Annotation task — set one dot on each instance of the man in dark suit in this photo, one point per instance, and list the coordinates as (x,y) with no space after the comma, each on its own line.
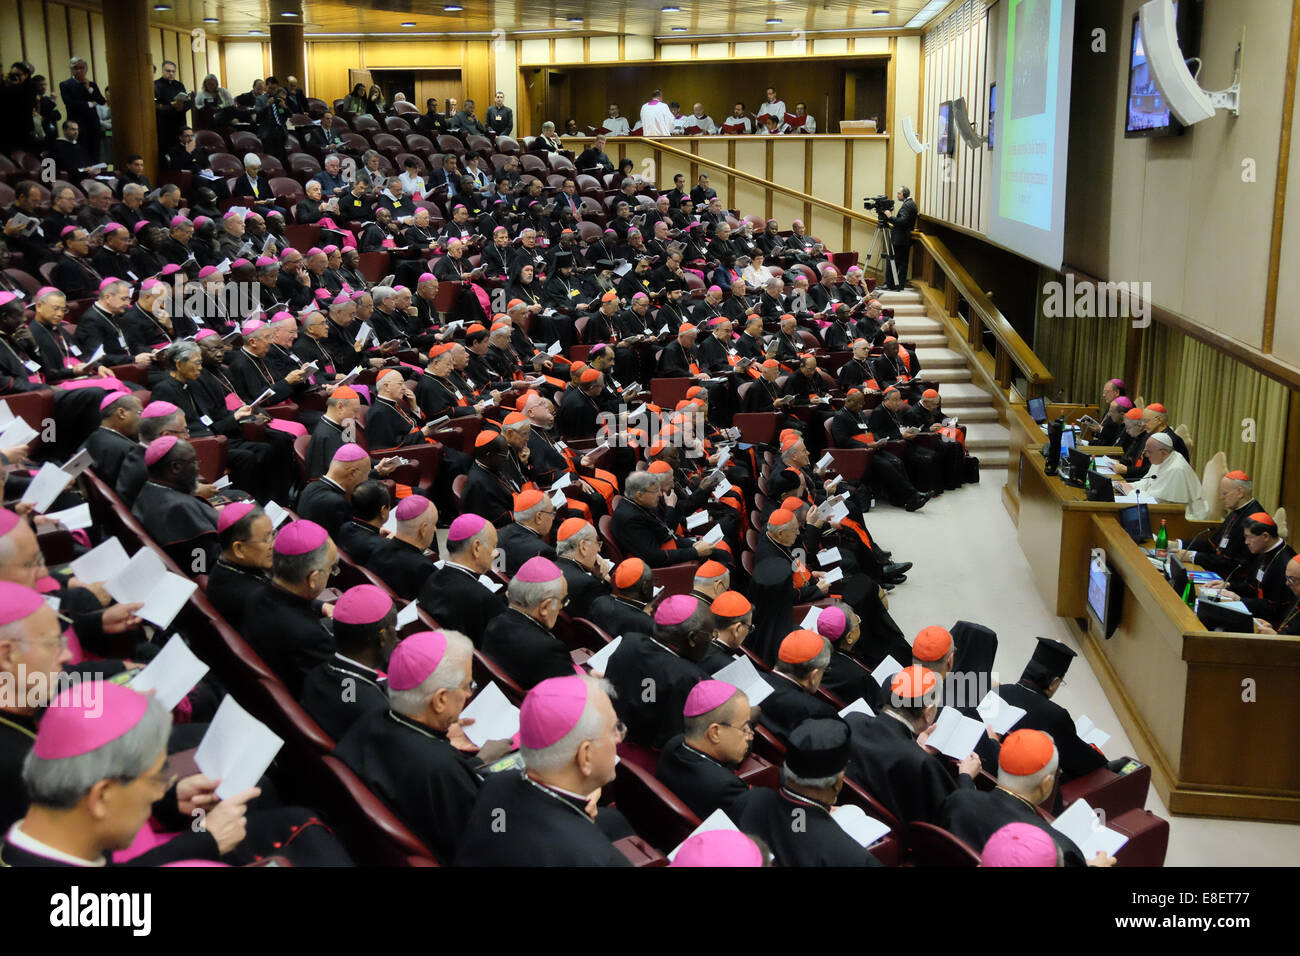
(640,531)
(80,97)
(525,537)
(578,547)
(901,223)
(500,118)
(403,562)
(623,610)
(800,664)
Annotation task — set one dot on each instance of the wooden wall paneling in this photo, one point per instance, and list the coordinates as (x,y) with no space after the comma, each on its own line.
(768,165)
(11,33)
(99,49)
(36,50)
(156,52)
(56,41)
(850,199)
(731,180)
(79,44)
(751,154)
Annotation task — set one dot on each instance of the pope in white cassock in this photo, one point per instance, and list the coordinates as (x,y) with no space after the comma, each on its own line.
(1170,478)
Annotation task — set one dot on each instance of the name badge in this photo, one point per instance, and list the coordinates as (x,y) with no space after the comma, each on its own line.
(206,420)
(1223,542)
(1259,575)
(33,366)
(73,350)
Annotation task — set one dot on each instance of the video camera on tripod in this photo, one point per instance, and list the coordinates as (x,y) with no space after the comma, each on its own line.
(878,204)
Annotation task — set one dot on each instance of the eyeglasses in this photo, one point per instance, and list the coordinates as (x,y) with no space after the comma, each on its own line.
(36,562)
(747,728)
(61,641)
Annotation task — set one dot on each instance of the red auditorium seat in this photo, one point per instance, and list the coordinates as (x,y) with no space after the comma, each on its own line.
(928,845)
(364,822)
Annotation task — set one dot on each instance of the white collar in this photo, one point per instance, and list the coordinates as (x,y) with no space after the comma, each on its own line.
(16,837)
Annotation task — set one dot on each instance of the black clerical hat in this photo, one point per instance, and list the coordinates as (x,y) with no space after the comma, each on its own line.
(603,264)
(563,259)
(672,282)
(818,748)
(1051,659)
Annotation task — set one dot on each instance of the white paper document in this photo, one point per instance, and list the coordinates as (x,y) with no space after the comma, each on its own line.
(1079,822)
(717,820)
(495,718)
(563,481)
(859,706)
(600,660)
(17,433)
(74,519)
(955,734)
(78,463)
(742,674)
(825,461)
(854,821)
(713,535)
(1089,733)
(999,714)
(277,514)
(828,557)
(236,750)
(809,622)
(172,674)
(885,670)
(408,614)
(555,349)
(144,579)
(722,488)
(100,563)
(834,575)
(697,519)
(491,584)
(46,486)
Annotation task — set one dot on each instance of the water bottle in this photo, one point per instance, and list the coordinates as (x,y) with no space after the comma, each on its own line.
(1162,540)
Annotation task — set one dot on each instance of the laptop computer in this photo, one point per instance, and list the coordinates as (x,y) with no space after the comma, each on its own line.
(1216,617)
(1100,487)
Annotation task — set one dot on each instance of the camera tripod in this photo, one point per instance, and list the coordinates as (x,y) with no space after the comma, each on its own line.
(884,240)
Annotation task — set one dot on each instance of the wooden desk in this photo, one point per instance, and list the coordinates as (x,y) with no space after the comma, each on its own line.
(1052,526)
(1216,715)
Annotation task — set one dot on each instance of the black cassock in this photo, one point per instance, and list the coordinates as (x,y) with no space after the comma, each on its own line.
(718,656)
(288,633)
(524,649)
(974,816)
(108,450)
(641,534)
(1077,758)
(1224,548)
(326,438)
(789,705)
(358,540)
(653,683)
(619,615)
(415,770)
(402,566)
(453,595)
(339,692)
(488,495)
(799,831)
(186,846)
(885,760)
(848,679)
(520,544)
(231,589)
(179,523)
(584,587)
(697,779)
(542,827)
(325,503)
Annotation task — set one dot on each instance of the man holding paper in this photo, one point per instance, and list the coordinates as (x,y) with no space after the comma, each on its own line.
(639,531)
(801,663)
(180,522)
(889,755)
(811,779)
(456,591)
(414,754)
(1027,765)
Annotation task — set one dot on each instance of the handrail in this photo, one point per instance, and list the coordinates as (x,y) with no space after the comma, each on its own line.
(749,177)
(990,316)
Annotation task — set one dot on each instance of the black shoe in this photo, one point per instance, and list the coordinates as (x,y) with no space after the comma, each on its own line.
(896,580)
(886,556)
(916,503)
(887,585)
(894,568)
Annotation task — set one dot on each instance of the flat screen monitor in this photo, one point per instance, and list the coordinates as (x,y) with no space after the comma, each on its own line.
(1218,618)
(1136,520)
(944,141)
(1038,409)
(1104,597)
(1067,442)
(1178,576)
(1146,111)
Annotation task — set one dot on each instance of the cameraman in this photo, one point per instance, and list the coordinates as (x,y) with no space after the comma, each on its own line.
(902,221)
